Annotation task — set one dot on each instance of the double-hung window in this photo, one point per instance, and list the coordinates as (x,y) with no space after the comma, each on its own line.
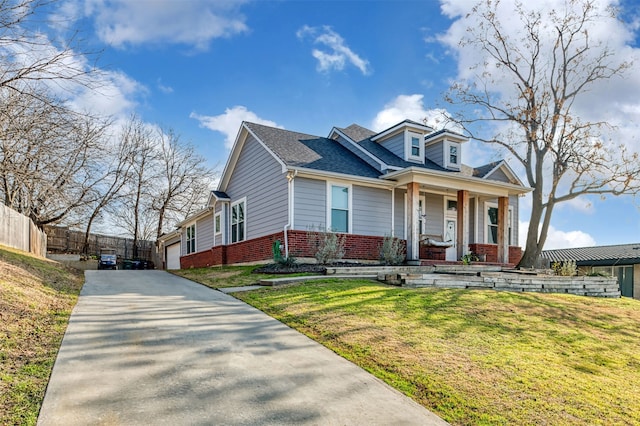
(492,225)
(217,223)
(238,221)
(453,154)
(191,239)
(414,146)
(339,210)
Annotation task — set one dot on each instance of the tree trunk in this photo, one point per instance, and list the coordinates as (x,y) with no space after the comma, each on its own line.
(532,250)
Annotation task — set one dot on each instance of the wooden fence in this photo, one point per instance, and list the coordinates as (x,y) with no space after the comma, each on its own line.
(64,240)
(18,231)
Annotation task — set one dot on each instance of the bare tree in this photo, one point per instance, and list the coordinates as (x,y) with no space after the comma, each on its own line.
(115,175)
(133,209)
(47,157)
(184,180)
(527,88)
(29,59)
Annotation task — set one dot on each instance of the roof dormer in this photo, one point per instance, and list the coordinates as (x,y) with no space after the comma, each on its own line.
(445,149)
(405,139)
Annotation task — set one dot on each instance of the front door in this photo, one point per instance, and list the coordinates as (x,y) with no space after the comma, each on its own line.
(450,235)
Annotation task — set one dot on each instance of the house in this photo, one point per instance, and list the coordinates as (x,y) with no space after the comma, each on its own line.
(621,261)
(406,181)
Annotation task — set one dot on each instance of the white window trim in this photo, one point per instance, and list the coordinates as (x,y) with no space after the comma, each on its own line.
(217,218)
(407,146)
(195,239)
(447,147)
(349,186)
(235,203)
(488,204)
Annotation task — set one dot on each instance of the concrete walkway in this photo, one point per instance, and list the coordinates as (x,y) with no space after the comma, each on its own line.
(147,347)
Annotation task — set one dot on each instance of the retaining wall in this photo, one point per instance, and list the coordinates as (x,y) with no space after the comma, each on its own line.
(584,286)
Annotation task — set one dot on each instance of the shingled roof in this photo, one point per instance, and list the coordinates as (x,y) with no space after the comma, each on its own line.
(357,133)
(312,152)
(622,254)
(319,153)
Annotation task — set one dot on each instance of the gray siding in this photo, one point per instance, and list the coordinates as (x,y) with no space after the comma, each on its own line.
(183,242)
(258,177)
(499,175)
(310,205)
(435,215)
(204,233)
(472,220)
(371,211)
(220,208)
(395,145)
(399,219)
(435,153)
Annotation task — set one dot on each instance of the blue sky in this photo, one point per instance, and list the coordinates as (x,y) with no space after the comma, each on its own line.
(203,66)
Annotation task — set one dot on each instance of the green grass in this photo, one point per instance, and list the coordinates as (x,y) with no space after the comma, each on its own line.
(479,357)
(226,276)
(36,299)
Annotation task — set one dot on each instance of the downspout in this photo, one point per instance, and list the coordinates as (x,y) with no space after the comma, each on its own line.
(393,211)
(291,174)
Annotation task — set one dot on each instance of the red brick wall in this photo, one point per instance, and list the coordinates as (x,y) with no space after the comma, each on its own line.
(491,250)
(197,260)
(253,250)
(360,247)
(432,253)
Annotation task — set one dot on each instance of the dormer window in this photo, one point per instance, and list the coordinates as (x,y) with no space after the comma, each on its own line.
(452,155)
(414,146)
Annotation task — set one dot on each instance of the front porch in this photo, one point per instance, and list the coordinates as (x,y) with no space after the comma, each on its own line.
(447,217)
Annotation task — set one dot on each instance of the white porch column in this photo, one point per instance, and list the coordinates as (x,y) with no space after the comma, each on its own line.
(503,229)
(463,223)
(413,239)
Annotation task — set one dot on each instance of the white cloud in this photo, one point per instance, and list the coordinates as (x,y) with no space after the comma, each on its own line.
(615,101)
(164,88)
(194,23)
(409,107)
(229,122)
(338,55)
(557,239)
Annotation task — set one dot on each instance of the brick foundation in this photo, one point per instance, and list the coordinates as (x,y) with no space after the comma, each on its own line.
(491,252)
(357,247)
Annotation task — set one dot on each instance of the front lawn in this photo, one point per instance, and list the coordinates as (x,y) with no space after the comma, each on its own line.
(227,276)
(36,299)
(479,357)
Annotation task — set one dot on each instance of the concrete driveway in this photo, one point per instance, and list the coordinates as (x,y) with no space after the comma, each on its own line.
(147,347)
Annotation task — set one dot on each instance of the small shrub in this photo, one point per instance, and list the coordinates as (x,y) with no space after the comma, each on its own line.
(330,246)
(469,257)
(566,268)
(392,251)
(286,262)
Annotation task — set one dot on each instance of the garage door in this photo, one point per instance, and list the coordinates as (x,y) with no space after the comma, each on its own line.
(173,256)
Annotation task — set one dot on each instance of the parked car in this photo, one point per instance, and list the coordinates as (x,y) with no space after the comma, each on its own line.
(108,259)
(137,264)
